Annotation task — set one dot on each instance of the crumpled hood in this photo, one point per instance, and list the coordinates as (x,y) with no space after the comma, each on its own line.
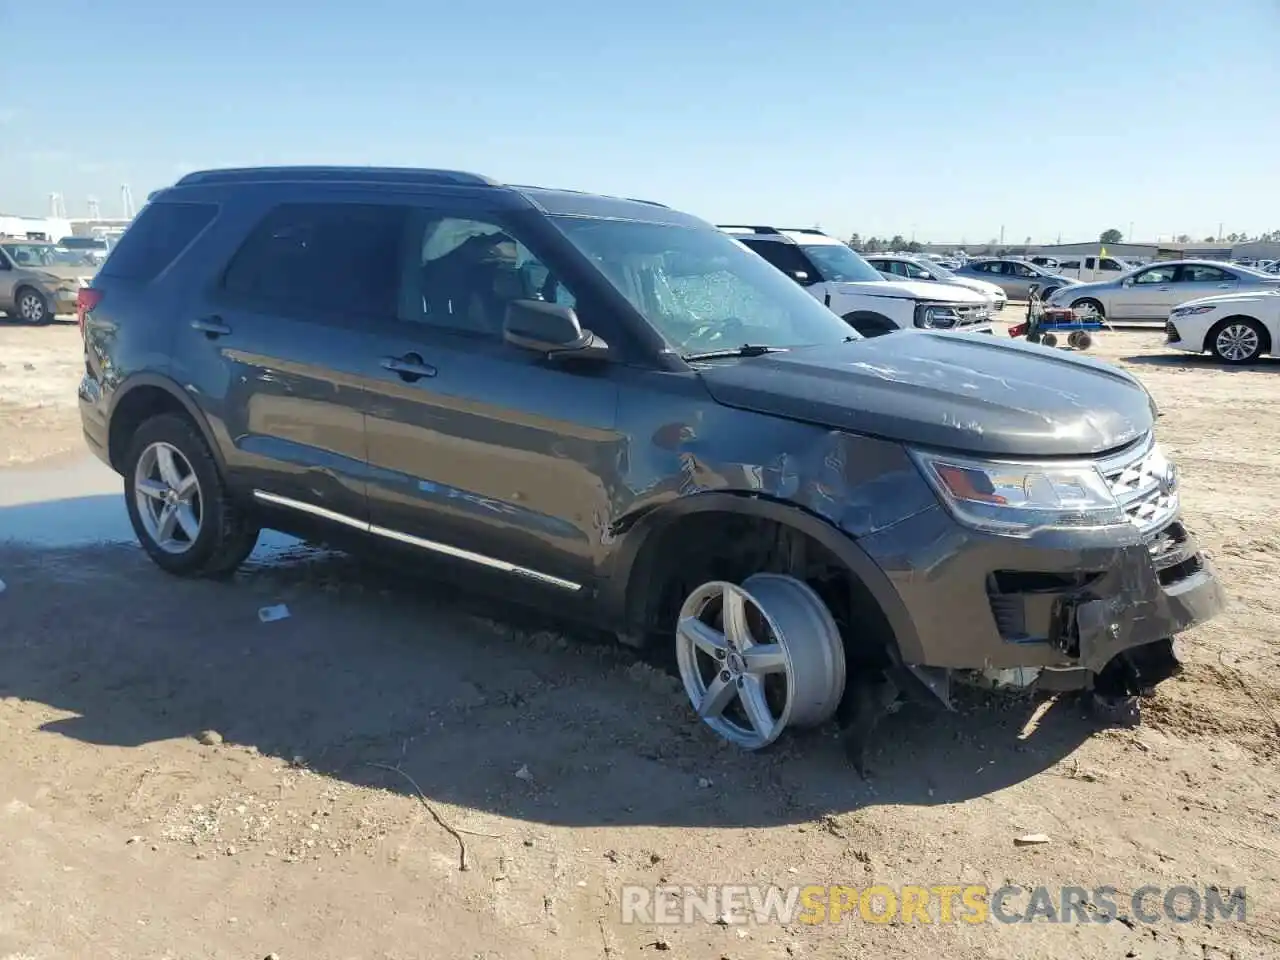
(911,290)
(969,392)
(65,272)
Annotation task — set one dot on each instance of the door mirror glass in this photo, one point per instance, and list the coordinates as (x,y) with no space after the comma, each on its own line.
(547,328)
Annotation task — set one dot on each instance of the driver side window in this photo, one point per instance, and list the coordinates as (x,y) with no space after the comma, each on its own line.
(460,274)
(1156,275)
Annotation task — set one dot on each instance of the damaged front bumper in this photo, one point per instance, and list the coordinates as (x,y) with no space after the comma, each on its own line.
(1053,612)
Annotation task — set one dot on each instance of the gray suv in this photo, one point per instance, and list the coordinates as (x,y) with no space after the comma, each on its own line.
(613,411)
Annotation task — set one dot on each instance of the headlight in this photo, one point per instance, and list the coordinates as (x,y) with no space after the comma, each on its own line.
(1191,311)
(1019,499)
(934,316)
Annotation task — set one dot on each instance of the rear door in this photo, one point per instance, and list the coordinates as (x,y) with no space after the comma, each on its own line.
(279,348)
(1197,280)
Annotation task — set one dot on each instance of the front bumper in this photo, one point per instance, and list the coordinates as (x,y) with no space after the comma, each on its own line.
(1179,339)
(1070,601)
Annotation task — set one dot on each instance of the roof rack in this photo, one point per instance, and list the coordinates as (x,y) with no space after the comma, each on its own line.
(356,174)
(587,193)
(743,226)
(813,230)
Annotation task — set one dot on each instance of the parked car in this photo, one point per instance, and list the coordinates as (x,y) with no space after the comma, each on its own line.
(1236,328)
(38,280)
(1149,293)
(847,284)
(1092,269)
(94,249)
(611,410)
(1015,277)
(918,268)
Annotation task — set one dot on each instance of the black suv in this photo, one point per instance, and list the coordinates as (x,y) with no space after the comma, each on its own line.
(612,410)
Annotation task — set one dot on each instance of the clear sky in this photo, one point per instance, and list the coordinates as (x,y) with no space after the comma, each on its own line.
(951,118)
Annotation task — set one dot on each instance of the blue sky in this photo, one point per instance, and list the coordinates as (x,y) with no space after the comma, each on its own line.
(949,119)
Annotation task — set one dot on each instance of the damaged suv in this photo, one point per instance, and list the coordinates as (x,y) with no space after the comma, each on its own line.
(611,410)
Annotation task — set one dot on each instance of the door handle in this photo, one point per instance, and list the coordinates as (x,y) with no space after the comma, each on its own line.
(211,327)
(410,367)
(1164,289)
(1224,286)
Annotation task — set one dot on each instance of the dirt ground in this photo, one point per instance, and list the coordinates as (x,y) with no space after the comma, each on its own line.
(181,780)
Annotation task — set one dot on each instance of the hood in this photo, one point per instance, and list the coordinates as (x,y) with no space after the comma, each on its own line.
(982,286)
(1233,299)
(911,290)
(63,272)
(965,392)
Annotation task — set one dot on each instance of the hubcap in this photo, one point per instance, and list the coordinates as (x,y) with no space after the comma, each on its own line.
(759,657)
(31,307)
(1237,342)
(168,497)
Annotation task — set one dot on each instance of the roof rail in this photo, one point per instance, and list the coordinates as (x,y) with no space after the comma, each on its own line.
(349,174)
(743,226)
(813,230)
(586,193)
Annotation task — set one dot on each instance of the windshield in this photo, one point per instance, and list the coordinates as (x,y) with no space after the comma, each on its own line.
(701,289)
(45,255)
(838,264)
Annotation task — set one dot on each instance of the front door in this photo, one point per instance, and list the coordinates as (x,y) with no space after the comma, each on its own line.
(479,450)
(1150,296)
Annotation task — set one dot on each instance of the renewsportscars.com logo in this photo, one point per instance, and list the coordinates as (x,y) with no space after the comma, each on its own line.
(941,903)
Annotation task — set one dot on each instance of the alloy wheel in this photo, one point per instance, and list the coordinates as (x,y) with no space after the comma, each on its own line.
(168,496)
(1237,342)
(759,657)
(31,307)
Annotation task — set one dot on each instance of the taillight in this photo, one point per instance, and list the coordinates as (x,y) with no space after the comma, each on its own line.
(86,299)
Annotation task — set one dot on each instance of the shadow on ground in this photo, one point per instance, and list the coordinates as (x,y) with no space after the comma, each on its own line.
(379,666)
(1190,361)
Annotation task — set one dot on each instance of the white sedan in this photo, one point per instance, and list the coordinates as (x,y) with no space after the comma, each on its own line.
(1235,327)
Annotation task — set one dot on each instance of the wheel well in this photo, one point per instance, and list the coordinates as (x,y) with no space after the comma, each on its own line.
(722,545)
(868,323)
(1264,335)
(134,409)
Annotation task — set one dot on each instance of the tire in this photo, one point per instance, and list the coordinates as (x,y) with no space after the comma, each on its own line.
(31,306)
(1237,340)
(1082,340)
(1090,303)
(1049,340)
(224,535)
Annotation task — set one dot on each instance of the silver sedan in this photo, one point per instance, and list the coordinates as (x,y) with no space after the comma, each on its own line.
(1150,292)
(1014,277)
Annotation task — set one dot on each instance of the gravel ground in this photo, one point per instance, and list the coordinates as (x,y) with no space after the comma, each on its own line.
(179,779)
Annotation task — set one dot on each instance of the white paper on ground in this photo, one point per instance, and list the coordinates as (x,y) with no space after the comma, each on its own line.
(278,612)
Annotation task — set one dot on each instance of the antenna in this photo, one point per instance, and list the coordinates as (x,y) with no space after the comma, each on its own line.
(126,201)
(95,212)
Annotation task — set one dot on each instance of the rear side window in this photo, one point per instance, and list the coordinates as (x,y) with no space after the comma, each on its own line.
(153,241)
(336,259)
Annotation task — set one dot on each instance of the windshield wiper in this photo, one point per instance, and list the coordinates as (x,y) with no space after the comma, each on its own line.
(746,350)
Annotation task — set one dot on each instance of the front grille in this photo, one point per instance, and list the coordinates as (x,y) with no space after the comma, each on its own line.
(1171,332)
(1145,483)
(972,316)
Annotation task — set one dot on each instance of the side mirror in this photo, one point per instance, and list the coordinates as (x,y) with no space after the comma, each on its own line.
(548,328)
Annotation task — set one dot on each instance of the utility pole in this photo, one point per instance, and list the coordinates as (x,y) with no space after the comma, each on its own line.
(95,212)
(1002,234)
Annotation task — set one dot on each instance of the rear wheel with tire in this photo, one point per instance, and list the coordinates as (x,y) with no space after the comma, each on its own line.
(32,306)
(1237,340)
(179,505)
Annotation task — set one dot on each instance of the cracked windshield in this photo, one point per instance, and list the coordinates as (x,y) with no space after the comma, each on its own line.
(714,480)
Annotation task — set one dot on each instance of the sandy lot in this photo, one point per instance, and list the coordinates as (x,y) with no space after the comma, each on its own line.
(180,780)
